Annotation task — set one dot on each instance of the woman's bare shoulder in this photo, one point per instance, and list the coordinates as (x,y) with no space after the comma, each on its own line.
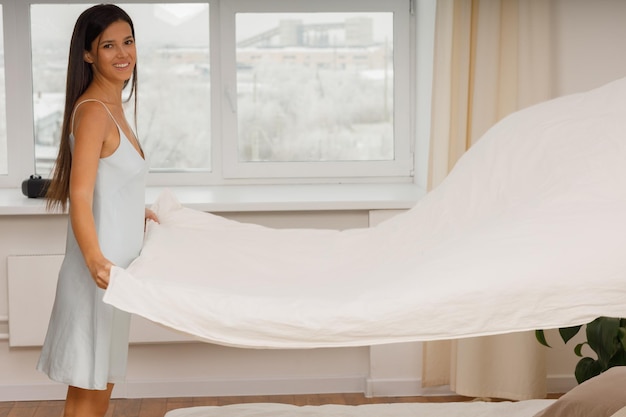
(91,113)
(94,125)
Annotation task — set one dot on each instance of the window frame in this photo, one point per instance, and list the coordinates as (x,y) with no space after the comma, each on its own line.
(401,166)
(225,169)
(18,90)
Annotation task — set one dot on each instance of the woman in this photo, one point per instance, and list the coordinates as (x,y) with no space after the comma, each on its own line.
(101,170)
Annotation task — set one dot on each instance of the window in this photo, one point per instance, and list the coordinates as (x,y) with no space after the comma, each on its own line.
(173,114)
(321,88)
(235,91)
(317,89)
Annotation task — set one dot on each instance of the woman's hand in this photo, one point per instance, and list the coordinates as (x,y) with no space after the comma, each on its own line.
(151,215)
(101,272)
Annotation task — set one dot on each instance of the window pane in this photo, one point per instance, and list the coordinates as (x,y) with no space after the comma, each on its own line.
(173,113)
(4,150)
(315,86)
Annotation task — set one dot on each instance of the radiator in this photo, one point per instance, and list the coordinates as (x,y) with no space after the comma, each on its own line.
(31,287)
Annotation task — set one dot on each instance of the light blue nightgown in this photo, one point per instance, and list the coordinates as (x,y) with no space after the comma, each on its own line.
(86,344)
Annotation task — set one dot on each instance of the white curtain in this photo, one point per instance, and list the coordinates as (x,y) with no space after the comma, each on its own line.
(492,57)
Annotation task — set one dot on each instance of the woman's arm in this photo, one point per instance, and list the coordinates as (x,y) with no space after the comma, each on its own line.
(92,129)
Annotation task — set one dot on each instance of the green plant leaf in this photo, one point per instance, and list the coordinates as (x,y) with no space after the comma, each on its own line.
(541,337)
(619,359)
(578,350)
(568,332)
(587,368)
(606,336)
(602,336)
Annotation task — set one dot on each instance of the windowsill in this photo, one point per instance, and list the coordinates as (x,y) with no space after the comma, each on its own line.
(249,198)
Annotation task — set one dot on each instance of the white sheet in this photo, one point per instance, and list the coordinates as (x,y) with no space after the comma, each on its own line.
(527,232)
(526,408)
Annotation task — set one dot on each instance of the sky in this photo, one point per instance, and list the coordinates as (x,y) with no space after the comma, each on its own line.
(55,22)
(185,22)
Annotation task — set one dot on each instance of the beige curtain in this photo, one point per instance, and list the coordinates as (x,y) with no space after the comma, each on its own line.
(492,57)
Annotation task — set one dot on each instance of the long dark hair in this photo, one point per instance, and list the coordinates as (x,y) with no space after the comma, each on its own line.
(89,25)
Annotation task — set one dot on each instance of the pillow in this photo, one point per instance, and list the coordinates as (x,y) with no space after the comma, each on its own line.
(601,396)
(620,413)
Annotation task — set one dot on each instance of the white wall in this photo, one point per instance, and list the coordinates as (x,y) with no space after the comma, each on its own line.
(589,44)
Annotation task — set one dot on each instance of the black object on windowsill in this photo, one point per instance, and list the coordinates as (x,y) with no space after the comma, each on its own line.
(35,186)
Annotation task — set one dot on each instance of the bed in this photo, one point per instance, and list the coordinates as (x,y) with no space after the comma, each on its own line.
(601,396)
(456,409)
(528,231)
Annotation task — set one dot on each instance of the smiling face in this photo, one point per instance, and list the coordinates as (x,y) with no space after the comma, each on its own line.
(113,54)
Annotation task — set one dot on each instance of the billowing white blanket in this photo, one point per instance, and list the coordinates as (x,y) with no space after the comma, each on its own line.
(528,231)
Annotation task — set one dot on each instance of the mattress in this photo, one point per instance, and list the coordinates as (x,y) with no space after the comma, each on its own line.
(527,232)
(526,408)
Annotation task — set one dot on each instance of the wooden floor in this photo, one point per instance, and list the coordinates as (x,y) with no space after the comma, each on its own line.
(157,407)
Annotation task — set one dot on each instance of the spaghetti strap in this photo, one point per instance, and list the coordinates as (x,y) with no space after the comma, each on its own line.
(97,101)
(138,148)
